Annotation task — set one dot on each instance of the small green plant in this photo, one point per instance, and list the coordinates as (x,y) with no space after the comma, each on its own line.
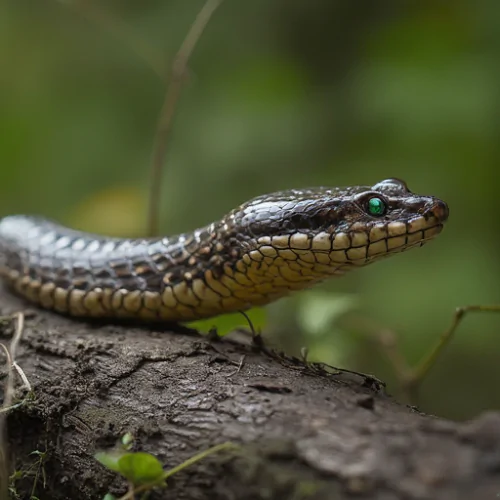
(226,323)
(144,471)
(35,470)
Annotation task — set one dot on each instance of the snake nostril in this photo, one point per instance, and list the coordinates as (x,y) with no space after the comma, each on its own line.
(440,210)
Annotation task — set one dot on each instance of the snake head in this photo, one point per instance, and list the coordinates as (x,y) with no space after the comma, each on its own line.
(298,237)
(388,218)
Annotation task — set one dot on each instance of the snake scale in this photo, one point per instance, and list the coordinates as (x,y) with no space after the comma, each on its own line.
(259,252)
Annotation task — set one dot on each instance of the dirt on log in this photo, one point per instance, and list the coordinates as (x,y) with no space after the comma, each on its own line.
(303,434)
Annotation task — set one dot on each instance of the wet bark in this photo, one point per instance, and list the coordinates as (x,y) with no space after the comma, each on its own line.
(303,434)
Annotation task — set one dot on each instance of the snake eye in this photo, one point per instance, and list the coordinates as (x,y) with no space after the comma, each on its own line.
(376,206)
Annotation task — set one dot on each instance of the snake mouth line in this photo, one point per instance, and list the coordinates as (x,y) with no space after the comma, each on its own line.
(406,245)
(403,235)
(435,229)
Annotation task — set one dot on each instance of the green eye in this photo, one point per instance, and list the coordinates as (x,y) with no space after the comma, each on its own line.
(376,206)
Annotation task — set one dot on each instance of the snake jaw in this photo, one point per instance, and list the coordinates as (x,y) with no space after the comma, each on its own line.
(333,232)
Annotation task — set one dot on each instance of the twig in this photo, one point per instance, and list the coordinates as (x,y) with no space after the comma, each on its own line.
(122,31)
(7,398)
(423,368)
(410,378)
(240,366)
(17,335)
(250,324)
(7,403)
(172,94)
(24,378)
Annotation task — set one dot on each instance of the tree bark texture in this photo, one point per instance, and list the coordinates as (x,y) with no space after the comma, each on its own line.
(303,434)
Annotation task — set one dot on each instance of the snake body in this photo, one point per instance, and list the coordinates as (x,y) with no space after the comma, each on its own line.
(257,253)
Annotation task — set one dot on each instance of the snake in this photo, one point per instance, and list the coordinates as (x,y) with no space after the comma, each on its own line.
(257,253)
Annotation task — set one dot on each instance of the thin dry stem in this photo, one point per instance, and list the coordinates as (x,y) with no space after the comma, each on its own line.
(423,368)
(7,403)
(17,335)
(410,379)
(172,95)
(24,378)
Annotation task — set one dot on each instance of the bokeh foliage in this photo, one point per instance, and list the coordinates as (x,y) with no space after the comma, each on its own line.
(281,94)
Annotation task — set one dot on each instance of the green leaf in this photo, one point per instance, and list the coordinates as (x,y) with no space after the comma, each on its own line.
(109,496)
(109,460)
(127,440)
(39,453)
(228,322)
(16,475)
(141,468)
(318,311)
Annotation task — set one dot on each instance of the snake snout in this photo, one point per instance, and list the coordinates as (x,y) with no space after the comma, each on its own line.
(439,210)
(434,209)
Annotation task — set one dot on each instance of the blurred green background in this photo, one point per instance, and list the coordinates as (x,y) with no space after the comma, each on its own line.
(281,94)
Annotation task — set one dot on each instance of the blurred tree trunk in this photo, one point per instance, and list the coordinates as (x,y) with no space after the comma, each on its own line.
(303,435)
